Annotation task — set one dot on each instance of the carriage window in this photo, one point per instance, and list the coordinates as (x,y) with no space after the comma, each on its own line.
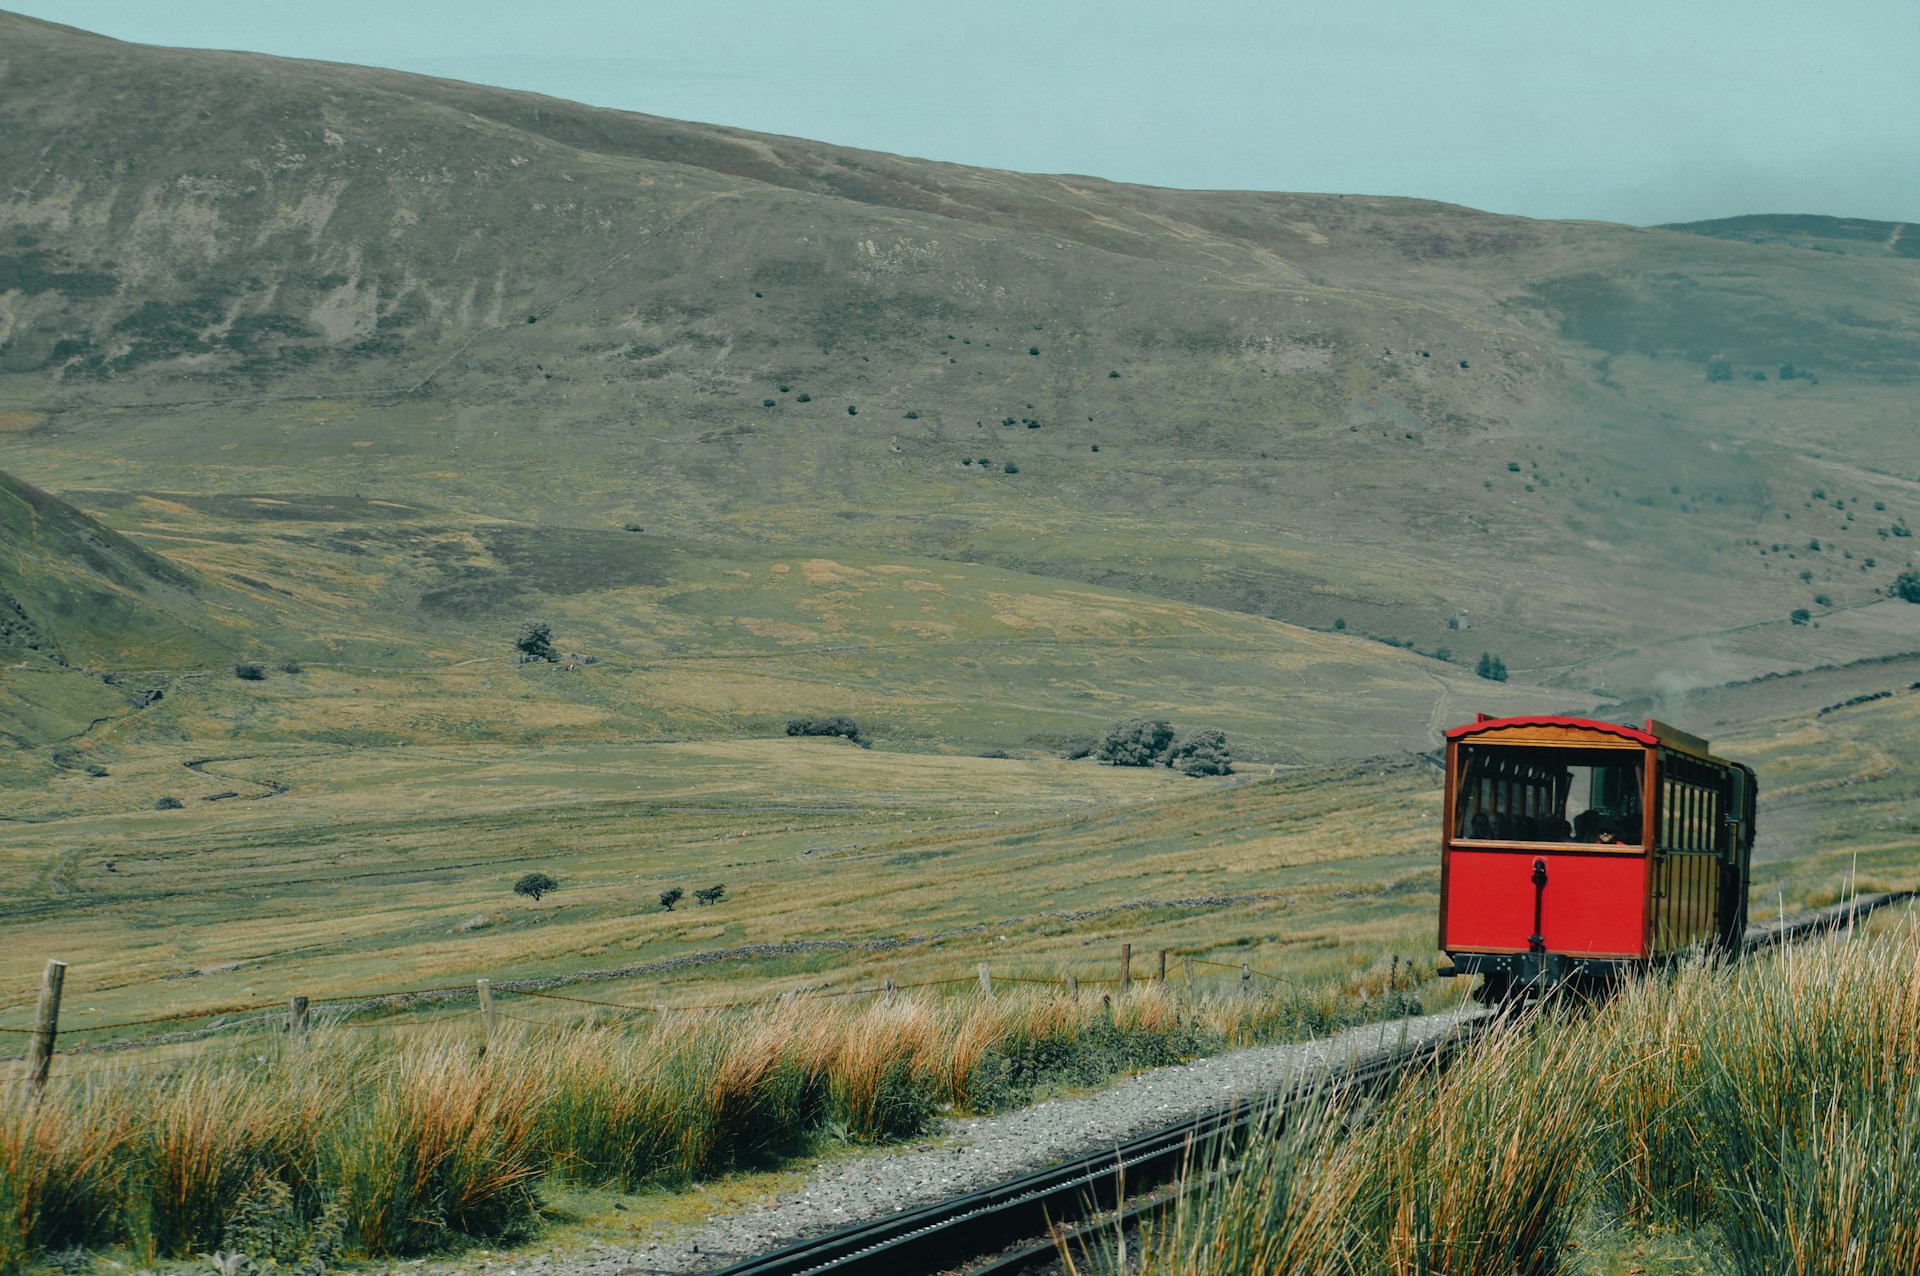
(1518,793)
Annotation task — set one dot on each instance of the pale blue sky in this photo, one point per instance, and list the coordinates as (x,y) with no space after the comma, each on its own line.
(1625,110)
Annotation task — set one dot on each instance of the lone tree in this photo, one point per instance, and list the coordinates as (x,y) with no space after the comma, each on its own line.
(711,895)
(1906,586)
(1202,751)
(1491,667)
(535,885)
(669,898)
(1136,742)
(535,639)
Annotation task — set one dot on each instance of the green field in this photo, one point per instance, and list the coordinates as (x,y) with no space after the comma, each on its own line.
(387,866)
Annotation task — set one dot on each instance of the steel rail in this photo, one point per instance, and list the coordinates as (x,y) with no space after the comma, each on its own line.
(1019,1224)
(1820,921)
(952,1232)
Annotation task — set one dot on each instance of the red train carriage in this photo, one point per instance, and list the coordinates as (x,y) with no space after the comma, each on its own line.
(1576,849)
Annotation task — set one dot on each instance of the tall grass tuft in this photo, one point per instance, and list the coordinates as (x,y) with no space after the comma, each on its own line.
(1291,1205)
(442,1141)
(1481,1173)
(205,1133)
(62,1172)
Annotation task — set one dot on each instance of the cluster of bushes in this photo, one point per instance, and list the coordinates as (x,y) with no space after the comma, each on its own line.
(1151,742)
(707,895)
(1491,667)
(839,724)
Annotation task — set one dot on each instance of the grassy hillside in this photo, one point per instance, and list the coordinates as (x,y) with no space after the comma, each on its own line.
(267,276)
(335,868)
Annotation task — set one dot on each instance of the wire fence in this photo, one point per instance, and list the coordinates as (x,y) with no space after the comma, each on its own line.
(373,1011)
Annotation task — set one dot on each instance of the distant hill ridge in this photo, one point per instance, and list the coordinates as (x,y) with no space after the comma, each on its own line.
(1809,230)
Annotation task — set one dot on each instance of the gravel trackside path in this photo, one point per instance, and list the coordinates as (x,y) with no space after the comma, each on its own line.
(966,1154)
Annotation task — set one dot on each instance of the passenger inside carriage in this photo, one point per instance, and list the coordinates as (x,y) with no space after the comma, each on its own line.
(1539,794)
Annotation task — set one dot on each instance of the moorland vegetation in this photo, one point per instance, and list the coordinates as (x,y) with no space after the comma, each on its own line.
(1753,1120)
(345,1142)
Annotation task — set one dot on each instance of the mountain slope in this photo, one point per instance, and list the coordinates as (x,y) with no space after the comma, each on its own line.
(230,273)
(73,591)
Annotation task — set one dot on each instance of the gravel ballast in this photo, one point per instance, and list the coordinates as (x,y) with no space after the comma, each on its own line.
(966,1154)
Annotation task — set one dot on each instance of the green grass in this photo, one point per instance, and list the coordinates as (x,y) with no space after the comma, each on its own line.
(391,867)
(1752,1120)
(434,1140)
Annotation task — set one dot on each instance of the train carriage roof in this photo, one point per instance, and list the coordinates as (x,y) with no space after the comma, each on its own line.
(1483,725)
(1654,734)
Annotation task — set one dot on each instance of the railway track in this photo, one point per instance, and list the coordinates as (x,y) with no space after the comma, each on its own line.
(1018,1225)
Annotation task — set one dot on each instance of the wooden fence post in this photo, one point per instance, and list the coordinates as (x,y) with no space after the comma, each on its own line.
(1187,965)
(1246,980)
(1160,976)
(485,988)
(297,1021)
(1073,987)
(986,982)
(46,1025)
(1126,967)
(891,991)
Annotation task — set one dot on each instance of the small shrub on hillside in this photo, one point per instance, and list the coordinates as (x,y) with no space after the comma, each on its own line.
(1906,586)
(1137,742)
(1491,667)
(839,724)
(249,672)
(803,397)
(168,804)
(710,895)
(1799,615)
(535,885)
(534,639)
(291,666)
(1202,751)
(1010,468)
(668,898)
